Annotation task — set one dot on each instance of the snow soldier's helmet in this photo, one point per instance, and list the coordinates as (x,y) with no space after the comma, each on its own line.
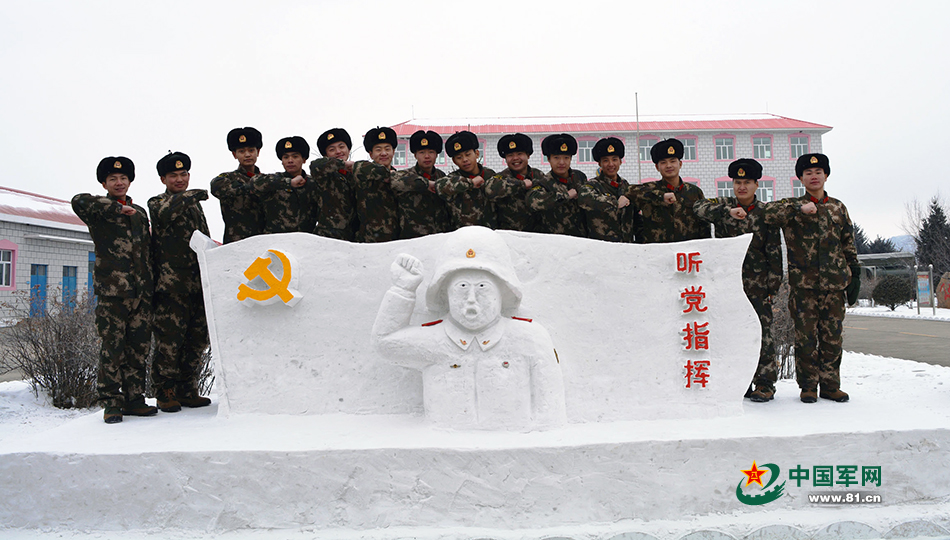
(474,248)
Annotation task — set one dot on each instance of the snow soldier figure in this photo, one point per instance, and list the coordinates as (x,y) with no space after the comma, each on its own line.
(180,326)
(480,369)
(762,267)
(122,280)
(823,272)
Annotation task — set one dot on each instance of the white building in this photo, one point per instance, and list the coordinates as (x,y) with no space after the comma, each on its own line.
(711,143)
(45,251)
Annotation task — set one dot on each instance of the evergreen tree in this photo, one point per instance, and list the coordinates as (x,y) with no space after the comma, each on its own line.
(881,245)
(933,240)
(860,240)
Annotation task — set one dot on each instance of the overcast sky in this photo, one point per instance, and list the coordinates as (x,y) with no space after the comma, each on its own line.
(85,80)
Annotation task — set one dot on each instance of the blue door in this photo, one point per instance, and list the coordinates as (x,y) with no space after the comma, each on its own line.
(89,288)
(37,290)
(69,287)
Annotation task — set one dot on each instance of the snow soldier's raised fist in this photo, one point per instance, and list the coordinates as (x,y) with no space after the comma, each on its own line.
(407,272)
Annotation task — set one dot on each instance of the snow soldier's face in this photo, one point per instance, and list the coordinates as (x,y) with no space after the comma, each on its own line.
(474,299)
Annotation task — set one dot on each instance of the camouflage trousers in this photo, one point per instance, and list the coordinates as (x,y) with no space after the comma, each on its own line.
(181,338)
(766,373)
(124,326)
(819,317)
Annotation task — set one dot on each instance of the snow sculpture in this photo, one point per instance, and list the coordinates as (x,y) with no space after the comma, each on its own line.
(269,288)
(480,369)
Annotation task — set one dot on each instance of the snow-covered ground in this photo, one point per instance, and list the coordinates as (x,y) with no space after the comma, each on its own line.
(908,311)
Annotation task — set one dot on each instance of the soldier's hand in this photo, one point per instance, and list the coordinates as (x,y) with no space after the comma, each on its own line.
(738,213)
(478,181)
(623,201)
(407,272)
(298,181)
(201,194)
(527,183)
(572,193)
(809,208)
(127,210)
(432,186)
(669,198)
(348,165)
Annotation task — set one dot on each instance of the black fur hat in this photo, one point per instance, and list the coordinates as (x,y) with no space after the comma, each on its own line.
(608,146)
(425,140)
(459,142)
(746,168)
(173,161)
(332,136)
(243,138)
(666,149)
(519,142)
(113,164)
(293,144)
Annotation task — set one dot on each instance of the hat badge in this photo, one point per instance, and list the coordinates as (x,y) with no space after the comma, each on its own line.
(813,159)
(610,149)
(512,145)
(117,165)
(329,136)
(741,172)
(458,146)
(242,138)
(382,135)
(424,142)
(179,165)
(671,150)
(288,144)
(563,147)
(470,253)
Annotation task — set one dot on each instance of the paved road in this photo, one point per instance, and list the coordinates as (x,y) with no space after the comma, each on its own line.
(910,339)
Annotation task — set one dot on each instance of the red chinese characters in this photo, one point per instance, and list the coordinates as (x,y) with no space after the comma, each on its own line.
(697,372)
(696,333)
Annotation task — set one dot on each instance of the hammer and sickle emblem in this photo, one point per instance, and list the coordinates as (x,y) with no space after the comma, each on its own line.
(275,287)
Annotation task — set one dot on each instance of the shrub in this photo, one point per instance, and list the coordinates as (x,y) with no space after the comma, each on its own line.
(893,291)
(783,333)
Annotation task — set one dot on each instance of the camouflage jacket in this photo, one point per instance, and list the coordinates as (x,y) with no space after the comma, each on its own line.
(762,267)
(286,208)
(337,209)
(376,206)
(668,223)
(820,246)
(421,211)
(598,198)
(467,205)
(507,191)
(123,246)
(554,210)
(240,208)
(174,218)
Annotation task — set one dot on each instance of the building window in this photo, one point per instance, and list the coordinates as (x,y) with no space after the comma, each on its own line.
(646,143)
(762,147)
(90,269)
(725,148)
(724,189)
(440,159)
(799,146)
(766,191)
(400,158)
(689,148)
(798,189)
(584,151)
(6,268)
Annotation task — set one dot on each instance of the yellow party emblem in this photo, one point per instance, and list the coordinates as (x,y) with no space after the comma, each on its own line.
(671,150)
(741,173)
(242,138)
(814,159)
(329,136)
(610,149)
(512,145)
(563,147)
(288,144)
(382,135)
(275,289)
(117,165)
(470,253)
(458,146)
(424,142)
(179,165)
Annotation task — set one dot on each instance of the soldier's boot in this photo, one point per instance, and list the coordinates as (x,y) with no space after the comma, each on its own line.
(748,391)
(809,395)
(189,397)
(112,415)
(834,395)
(167,401)
(762,393)
(138,407)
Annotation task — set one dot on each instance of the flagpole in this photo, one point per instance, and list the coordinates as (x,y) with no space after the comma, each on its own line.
(636,101)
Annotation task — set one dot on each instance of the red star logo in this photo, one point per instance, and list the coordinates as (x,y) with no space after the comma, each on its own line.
(755,474)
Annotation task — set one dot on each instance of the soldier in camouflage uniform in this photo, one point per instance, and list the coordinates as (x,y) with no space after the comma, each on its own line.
(122,279)
(289,200)
(553,198)
(762,267)
(421,210)
(610,216)
(823,272)
(239,205)
(376,206)
(667,204)
(180,326)
(509,188)
(464,189)
(333,178)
